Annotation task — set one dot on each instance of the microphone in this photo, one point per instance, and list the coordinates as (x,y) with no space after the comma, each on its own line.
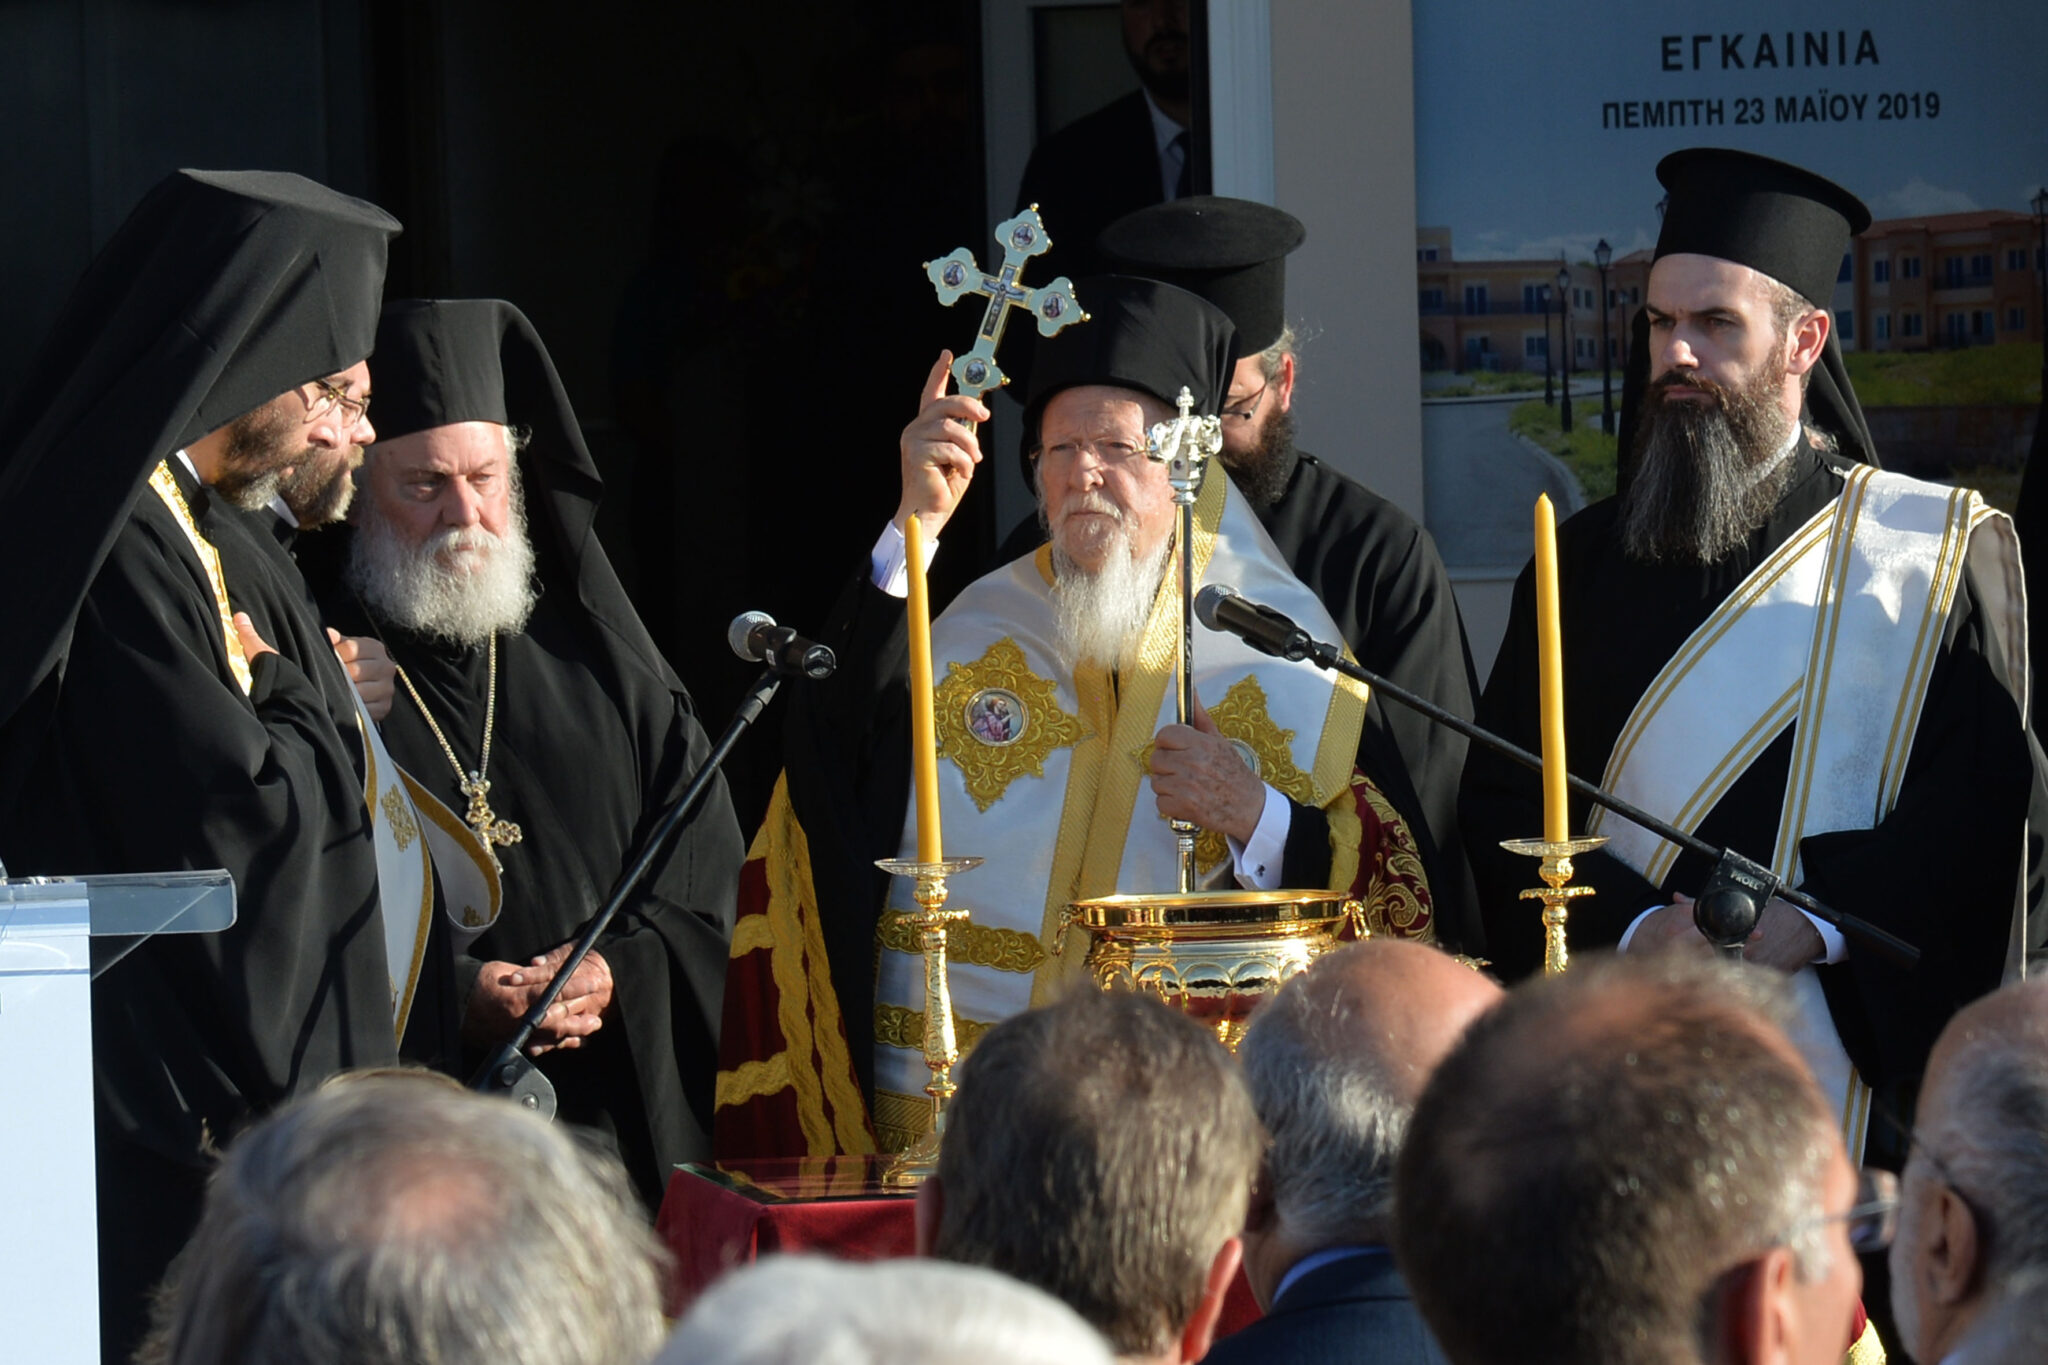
(755,637)
(1221,608)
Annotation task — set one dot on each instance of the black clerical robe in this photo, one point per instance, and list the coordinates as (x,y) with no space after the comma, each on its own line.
(589,750)
(145,754)
(1378,574)
(263,579)
(1940,871)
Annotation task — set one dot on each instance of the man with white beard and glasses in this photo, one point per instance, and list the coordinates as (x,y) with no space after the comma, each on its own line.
(1774,644)
(1373,567)
(532,703)
(1069,797)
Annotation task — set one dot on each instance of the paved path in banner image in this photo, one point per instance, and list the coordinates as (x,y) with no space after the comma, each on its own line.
(1481,482)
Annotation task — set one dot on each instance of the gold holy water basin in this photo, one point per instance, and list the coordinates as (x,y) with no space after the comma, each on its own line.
(1211,954)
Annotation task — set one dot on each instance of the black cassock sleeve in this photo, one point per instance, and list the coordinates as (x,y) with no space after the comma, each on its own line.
(155,759)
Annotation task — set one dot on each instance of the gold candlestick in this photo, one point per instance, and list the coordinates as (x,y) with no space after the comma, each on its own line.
(941,1049)
(1556,871)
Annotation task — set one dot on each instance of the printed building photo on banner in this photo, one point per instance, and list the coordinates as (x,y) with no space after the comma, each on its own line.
(1538,130)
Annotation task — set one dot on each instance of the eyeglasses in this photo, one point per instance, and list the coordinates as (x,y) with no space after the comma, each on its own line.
(1242,410)
(333,396)
(1872,1219)
(1110,454)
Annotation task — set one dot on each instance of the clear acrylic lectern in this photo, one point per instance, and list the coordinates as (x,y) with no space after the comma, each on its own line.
(49,1257)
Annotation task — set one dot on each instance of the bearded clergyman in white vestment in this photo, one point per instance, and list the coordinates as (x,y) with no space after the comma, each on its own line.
(1777,646)
(1060,758)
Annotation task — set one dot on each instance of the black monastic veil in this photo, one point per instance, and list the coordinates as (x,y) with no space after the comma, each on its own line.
(126,743)
(594,738)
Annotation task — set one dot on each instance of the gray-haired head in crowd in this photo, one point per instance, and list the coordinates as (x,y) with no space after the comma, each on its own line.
(392,1219)
(902,1312)
(1629,1163)
(1335,1062)
(1971,1256)
(1101,1148)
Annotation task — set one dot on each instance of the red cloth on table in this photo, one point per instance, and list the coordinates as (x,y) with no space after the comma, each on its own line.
(712,1229)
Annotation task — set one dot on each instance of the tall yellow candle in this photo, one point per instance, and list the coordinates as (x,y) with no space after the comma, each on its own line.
(1550,683)
(924,751)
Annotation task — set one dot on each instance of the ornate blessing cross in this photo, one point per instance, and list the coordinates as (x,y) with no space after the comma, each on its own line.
(1054,305)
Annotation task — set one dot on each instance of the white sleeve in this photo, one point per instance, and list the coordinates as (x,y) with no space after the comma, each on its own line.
(1833,947)
(1257,861)
(889,562)
(1635,924)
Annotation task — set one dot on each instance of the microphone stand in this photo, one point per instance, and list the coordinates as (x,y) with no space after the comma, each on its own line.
(510,1072)
(1728,905)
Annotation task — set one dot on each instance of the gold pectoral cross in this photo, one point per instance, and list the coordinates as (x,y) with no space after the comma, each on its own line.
(481,818)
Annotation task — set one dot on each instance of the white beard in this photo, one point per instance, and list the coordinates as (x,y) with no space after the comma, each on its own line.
(1102,615)
(413,587)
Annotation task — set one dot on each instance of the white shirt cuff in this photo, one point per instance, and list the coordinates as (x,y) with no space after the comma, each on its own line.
(889,561)
(1834,947)
(1257,861)
(1633,924)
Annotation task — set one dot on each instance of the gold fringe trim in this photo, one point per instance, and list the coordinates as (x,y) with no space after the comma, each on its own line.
(752,1081)
(750,935)
(165,485)
(803,982)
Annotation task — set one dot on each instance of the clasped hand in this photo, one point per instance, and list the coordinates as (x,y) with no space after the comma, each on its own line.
(505,991)
(1198,775)
(1784,938)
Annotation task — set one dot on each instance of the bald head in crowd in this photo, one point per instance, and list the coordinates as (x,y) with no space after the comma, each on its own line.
(1629,1163)
(1335,1063)
(1970,1260)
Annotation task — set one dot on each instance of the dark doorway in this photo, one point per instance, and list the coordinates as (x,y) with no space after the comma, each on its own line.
(717,217)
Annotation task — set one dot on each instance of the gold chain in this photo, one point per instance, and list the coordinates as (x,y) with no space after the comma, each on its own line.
(474,785)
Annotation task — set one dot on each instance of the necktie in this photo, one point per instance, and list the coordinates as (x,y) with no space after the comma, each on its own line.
(1185,184)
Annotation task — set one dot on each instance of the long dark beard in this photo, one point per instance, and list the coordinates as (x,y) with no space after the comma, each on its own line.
(318,496)
(1706,474)
(1261,473)
(254,457)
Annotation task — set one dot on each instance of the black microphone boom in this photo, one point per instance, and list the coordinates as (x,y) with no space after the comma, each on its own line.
(1271,632)
(755,637)
(509,1071)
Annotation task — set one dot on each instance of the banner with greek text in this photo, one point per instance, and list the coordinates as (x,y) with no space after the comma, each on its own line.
(1538,130)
